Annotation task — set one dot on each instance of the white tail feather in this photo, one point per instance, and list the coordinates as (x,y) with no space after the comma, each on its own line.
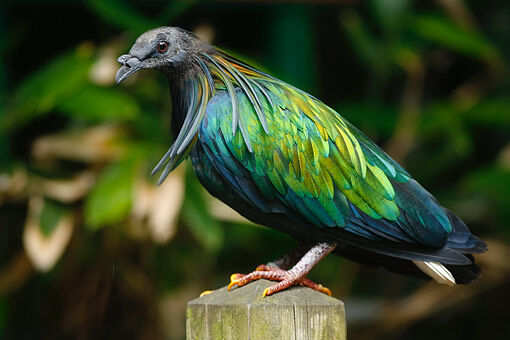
(436,271)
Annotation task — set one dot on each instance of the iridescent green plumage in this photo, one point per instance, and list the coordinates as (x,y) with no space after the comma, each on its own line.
(296,149)
(284,159)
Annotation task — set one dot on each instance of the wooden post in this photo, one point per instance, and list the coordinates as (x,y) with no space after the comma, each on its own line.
(296,313)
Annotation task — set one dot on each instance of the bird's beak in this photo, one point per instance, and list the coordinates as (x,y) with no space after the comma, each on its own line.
(129,66)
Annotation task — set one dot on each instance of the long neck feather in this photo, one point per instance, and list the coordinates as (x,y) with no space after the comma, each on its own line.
(236,74)
(189,100)
(191,95)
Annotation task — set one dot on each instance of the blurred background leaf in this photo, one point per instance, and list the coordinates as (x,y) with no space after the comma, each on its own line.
(204,228)
(446,33)
(110,200)
(52,84)
(51,214)
(96,104)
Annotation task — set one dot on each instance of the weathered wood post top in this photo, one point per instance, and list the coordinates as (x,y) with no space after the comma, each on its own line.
(242,313)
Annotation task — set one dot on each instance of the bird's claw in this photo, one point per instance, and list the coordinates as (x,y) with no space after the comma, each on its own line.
(275,274)
(232,284)
(206,292)
(235,280)
(322,289)
(235,276)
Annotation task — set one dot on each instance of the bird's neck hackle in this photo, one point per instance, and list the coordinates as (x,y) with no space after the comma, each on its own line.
(191,87)
(194,83)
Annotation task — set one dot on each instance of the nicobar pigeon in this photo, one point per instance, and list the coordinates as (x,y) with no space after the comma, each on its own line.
(285,160)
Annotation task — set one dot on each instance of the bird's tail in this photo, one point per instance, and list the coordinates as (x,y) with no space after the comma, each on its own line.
(464,242)
(450,274)
(461,238)
(436,271)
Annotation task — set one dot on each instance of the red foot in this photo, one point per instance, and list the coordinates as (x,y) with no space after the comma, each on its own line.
(286,279)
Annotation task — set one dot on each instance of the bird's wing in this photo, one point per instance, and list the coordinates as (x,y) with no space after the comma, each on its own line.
(302,155)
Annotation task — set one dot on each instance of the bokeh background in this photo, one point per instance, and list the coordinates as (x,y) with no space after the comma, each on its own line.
(91,248)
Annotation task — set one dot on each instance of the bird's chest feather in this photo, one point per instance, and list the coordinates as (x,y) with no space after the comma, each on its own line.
(212,160)
(228,180)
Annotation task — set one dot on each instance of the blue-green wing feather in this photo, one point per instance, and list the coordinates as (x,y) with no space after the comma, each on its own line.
(294,167)
(285,152)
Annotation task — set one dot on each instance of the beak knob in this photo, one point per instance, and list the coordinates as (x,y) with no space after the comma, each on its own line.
(123,58)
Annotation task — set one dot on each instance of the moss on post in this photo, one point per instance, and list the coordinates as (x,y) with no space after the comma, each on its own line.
(242,313)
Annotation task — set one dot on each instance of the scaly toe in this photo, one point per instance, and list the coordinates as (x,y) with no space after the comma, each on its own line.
(206,292)
(236,276)
(232,284)
(324,290)
(315,286)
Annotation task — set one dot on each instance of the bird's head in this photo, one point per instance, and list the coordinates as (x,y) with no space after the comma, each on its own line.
(167,49)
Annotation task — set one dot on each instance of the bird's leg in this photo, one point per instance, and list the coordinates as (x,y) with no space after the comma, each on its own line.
(285,262)
(296,275)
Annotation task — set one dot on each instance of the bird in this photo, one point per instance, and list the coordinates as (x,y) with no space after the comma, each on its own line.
(284,159)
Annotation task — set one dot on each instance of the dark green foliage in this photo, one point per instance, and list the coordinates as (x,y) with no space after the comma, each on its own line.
(207,231)
(111,199)
(51,214)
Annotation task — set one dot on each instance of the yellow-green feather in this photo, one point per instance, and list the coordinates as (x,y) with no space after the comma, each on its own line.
(308,150)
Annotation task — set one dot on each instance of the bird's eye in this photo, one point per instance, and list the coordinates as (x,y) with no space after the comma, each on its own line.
(162,46)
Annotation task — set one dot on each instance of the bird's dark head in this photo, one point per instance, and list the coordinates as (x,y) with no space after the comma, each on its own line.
(168,49)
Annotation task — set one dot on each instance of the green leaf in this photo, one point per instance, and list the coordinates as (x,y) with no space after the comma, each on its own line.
(174,9)
(47,88)
(372,117)
(110,200)
(121,15)
(201,224)
(390,13)
(98,104)
(292,46)
(363,42)
(124,16)
(491,111)
(50,216)
(444,32)
(442,118)
(493,184)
